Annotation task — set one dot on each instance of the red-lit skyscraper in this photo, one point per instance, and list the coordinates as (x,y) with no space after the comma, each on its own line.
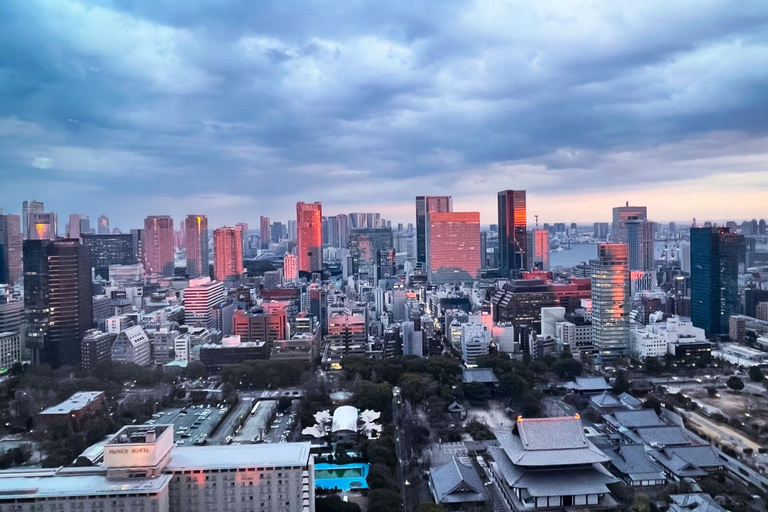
(513,239)
(196,244)
(453,247)
(158,239)
(309,246)
(228,253)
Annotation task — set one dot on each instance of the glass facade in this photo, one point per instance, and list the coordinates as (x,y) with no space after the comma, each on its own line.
(714,278)
(513,238)
(610,300)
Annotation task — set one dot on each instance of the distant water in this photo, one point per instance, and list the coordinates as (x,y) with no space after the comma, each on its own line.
(586,252)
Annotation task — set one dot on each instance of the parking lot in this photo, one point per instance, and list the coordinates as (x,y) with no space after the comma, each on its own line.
(281,426)
(192,425)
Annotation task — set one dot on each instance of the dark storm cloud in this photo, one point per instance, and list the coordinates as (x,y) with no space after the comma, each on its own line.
(242,107)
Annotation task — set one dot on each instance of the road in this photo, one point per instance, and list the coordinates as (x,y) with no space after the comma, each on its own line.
(232,421)
(281,427)
(190,425)
(256,425)
(397,403)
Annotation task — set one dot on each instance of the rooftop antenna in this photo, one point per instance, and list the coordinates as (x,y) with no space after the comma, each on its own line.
(537,221)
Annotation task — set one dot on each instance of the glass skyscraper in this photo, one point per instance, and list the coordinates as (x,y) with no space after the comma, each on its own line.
(513,238)
(610,300)
(714,278)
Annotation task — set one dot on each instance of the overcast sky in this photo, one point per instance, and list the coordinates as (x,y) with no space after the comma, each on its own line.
(238,108)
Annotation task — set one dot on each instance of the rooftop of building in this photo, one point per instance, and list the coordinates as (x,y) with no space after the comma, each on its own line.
(700,502)
(238,456)
(480,375)
(138,434)
(454,483)
(541,442)
(63,483)
(635,419)
(588,384)
(633,460)
(74,403)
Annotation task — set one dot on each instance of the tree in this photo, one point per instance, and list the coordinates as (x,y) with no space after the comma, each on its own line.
(653,365)
(539,368)
(567,368)
(430,507)
(735,383)
(195,370)
(621,383)
(477,393)
(334,503)
(383,500)
(756,374)
(380,477)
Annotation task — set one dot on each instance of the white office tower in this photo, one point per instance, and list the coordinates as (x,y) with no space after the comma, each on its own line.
(549,319)
(200,298)
(117,324)
(503,335)
(144,472)
(412,340)
(475,342)
(182,348)
(685,257)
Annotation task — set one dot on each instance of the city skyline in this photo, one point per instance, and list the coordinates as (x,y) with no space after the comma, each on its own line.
(670,113)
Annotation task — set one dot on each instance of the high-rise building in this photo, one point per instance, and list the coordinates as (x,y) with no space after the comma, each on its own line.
(79,223)
(365,244)
(600,231)
(109,250)
(512,230)
(196,245)
(292,230)
(158,244)
(27,209)
(228,253)
(290,267)
(540,249)
(621,214)
(264,232)
(611,300)
(342,226)
(57,299)
(714,278)
(453,248)
(200,298)
(424,205)
(309,247)
(10,249)
(102,226)
(43,226)
(138,245)
(277,232)
(365,220)
(639,235)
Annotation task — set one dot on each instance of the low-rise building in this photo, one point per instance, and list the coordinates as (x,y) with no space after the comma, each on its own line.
(132,346)
(96,348)
(455,486)
(10,350)
(73,408)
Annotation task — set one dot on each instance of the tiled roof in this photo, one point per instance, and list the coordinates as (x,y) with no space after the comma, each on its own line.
(635,419)
(454,482)
(665,436)
(632,459)
(481,375)
(549,441)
